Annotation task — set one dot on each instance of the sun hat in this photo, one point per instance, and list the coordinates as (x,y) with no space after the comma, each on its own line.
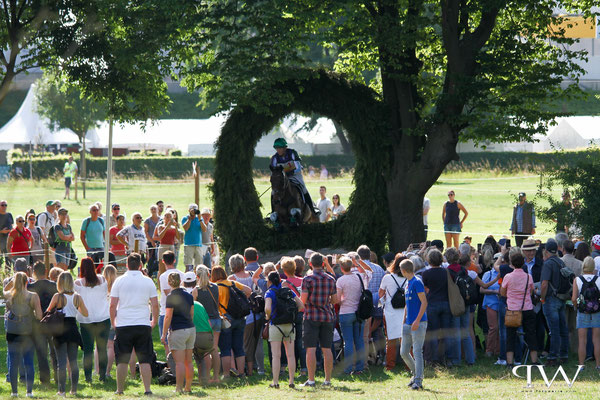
(529,244)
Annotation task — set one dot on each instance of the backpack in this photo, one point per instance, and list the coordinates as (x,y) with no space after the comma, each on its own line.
(18,318)
(399,299)
(86,222)
(365,303)
(467,287)
(257,303)
(588,301)
(285,307)
(565,282)
(37,219)
(239,305)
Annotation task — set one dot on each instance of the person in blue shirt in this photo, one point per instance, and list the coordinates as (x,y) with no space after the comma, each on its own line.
(415,325)
(193,226)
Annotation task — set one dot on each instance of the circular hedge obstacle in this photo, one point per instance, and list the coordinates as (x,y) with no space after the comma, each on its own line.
(236,202)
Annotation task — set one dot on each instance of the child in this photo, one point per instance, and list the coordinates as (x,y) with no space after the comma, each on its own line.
(415,325)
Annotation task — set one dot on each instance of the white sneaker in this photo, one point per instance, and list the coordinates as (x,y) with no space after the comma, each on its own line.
(517,363)
(29,395)
(14,395)
(500,362)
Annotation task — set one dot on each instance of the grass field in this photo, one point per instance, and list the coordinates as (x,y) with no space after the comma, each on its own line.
(488,198)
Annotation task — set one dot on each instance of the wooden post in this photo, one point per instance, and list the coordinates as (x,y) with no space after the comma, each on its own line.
(75,187)
(47,257)
(136,247)
(196,183)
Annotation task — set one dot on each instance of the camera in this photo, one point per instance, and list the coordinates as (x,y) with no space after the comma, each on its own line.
(197,212)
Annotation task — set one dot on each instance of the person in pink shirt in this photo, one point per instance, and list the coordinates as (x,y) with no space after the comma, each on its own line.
(349,287)
(517,287)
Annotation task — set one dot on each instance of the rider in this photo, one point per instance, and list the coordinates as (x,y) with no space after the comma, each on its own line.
(289,160)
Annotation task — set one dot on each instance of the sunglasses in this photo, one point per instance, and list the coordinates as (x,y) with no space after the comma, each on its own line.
(94,210)
(450,194)
(20,221)
(116,208)
(3,205)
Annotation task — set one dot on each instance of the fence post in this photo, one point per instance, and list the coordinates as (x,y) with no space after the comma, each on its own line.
(47,257)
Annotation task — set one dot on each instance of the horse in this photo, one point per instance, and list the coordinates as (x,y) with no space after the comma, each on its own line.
(287,203)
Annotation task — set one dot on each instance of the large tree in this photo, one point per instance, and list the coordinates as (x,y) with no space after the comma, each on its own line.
(441,71)
(62,104)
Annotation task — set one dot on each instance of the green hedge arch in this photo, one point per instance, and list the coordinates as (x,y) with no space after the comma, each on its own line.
(237,206)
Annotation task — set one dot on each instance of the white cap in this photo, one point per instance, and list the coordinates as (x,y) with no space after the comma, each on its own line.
(189,277)
(205,210)
(193,206)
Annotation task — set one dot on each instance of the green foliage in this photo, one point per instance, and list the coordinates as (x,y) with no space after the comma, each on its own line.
(237,206)
(62,104)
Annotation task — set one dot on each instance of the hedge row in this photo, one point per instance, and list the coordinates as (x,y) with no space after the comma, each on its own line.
(177,167)
(160,167)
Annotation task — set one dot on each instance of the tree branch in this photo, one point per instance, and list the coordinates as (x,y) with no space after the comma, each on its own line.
(370,8)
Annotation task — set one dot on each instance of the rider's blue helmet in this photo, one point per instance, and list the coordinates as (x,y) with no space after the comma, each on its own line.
(280,143)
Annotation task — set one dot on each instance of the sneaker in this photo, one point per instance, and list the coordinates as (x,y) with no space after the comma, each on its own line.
(416,386)
(326,384)
(412,382)
(517,363)
(309,384)
(500,362)
(14,395)
(29,394)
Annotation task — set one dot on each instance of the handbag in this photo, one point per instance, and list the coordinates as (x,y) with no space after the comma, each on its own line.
(265,331)
(514,318)
(53,322)
(457,303)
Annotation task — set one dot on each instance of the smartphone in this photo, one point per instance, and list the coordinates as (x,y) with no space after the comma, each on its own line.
(479,247)
(428,243)
(508,243)
(415,246)
(189,268)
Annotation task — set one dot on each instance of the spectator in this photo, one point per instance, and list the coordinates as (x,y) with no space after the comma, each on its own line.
(70,171)
(560,239)
(376,274)
(254,322)
(251,259)
(393,317)
(294,282)
(64,239)
(168,259)
(280,332)
(92,232)
(300,265)
(54,274)
(415,325)
(318,294)
(585,298)
(46,219)
(166,233)
(161,207)
(491,306)
(95,326)
(518,297)
(130,315)
(45,289)
(116,247)
(207,294)
(324,172)
(568,248)
(6,225)
(132,234)
(179,322)
(110,276)
(232,336)
(38,239)
(19,239)
(439,315)
(426,208)
(67,344)
(115,212)
(149,225)
(337,208)
(324,205)
(553,307)
(523,220)
(560,212)
(193,227)
(582,250)
(569,259)
(204,341)
(208,240)
(451,217)
(22,307)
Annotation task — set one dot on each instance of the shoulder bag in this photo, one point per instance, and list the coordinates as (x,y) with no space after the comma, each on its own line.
(514,318)
(457,303)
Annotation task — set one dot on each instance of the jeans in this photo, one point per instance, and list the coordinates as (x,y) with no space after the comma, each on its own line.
(21,348)
(554,311)
(352,333)
(68,351)
(299,350)
(42,343)
(96,332)
(207,258)
(502,328)
(465,343)
(161,323)
(439,323)
(414,339)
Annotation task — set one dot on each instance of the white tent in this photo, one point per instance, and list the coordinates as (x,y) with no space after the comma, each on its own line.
(26,127)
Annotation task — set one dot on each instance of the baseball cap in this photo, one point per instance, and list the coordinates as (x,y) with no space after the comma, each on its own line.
(522,194)
(596,241)
(50,203)
(551,246)
(189,276)
(21,265)
(193,206)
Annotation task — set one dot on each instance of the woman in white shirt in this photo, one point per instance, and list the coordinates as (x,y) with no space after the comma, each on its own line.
(95,327)
(393,317)
(337,209)
(588,310)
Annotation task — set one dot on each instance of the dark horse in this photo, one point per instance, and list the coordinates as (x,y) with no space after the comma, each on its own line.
(287,203)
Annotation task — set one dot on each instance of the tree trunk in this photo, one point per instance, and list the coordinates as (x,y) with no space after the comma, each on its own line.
(5,84)
(341,135)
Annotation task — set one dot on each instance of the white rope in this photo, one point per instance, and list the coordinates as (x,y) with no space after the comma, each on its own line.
(485,234)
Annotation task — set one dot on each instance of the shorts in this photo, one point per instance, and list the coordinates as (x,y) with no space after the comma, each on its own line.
(135,337)
(282,333)
(182,339)
(192,255)
(63,256)
(67,181)
(203,345)
(317,333)
(215,324)
(164,248)
(588,320)
(452,228)
(111,334)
